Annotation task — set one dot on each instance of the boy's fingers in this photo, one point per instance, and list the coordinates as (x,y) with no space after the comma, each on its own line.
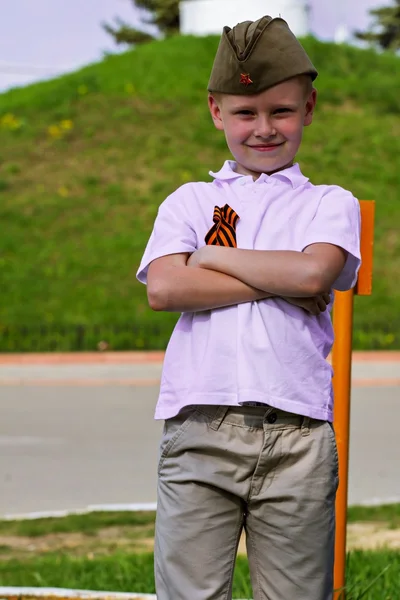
(314,308)
(321,304)
(327,298)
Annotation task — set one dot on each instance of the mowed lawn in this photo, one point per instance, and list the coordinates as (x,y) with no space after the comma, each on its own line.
(106,551)
(87,158)
(378,571)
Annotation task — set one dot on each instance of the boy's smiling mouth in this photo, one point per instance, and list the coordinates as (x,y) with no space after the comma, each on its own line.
(266,147)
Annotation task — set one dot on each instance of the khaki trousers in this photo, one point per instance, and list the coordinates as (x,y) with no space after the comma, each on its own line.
(273,473)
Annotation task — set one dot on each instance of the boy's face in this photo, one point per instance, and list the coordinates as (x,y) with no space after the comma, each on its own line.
(264,131)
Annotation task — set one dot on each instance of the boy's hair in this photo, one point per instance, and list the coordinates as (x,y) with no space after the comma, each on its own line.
(308,85)
(305,79)
(254,56)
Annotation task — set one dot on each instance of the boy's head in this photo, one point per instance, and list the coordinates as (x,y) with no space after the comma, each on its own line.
(261,94)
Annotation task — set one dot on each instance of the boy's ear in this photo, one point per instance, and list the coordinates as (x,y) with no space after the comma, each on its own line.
(310,107)
(215,110)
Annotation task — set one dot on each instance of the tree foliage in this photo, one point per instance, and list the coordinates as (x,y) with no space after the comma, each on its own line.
(385,31)
(164,14)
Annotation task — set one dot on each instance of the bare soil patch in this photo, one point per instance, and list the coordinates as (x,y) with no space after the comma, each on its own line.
(103,541)
(362,536)
(372,536)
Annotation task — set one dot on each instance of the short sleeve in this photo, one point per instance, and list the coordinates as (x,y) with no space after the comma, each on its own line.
(172,233)
(337,221)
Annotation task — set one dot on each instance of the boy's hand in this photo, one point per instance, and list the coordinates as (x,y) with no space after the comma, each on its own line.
(196,259)
(314,305)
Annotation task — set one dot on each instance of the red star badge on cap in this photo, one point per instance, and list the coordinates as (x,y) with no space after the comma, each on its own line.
(245,79)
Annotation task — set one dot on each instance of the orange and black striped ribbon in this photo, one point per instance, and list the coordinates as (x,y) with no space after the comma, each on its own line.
(223,232)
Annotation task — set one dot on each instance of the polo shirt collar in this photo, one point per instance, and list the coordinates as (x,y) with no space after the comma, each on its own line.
(291,174)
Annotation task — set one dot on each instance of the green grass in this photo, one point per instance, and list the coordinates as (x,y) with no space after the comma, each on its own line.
(86,523)
(78,200)
(387,513)
(123,571)
(94,521)
(133,572)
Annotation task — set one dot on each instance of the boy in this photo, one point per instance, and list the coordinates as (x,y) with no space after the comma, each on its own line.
(250,260)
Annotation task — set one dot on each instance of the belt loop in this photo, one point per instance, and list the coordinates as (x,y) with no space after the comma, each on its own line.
(219,417)
(305,426)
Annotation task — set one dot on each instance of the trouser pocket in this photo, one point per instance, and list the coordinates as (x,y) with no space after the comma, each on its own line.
(173,429)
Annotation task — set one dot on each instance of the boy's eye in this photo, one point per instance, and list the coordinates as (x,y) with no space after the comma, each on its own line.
(244,112)
(283,110)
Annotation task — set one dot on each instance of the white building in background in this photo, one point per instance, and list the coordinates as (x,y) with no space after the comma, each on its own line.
(335,21)
(45,38)
(206,17)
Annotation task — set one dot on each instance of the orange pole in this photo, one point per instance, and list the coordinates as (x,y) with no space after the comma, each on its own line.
(341,362)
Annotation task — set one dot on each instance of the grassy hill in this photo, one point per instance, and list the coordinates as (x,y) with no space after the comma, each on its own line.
(86,159)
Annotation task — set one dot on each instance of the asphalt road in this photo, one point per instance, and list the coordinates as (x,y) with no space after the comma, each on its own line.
(72,437)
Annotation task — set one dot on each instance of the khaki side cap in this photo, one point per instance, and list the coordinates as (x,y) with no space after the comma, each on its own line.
(254,56)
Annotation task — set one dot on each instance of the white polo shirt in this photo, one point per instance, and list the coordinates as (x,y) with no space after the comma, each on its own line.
(265,351)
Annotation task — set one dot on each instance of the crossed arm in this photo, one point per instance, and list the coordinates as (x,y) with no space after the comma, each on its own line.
(214,276)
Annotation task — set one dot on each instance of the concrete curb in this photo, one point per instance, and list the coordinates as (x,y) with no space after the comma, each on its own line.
(60,593)
(142,507)
(80,358)
(114,358)
(10,382)
(11,593)
(145,507)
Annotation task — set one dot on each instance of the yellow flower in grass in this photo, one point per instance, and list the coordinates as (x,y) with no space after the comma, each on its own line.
(66,125)
(10,121)
(63,191)
(7,119)
(16,124)
(57,131)
(54,132)
(130,88)
(185,176)
(83,90)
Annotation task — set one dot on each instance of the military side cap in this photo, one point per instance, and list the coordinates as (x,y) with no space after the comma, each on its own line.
(254,56)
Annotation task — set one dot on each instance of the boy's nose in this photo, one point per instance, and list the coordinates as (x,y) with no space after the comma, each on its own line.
(264,129)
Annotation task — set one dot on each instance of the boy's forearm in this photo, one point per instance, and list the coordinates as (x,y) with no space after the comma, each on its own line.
(187,289)
(282,273)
